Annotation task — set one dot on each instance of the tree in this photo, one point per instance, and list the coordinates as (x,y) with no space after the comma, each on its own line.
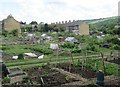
(116,47)
(33,22)
(23,29)
(29,29)
(56,28)
(116,30)
(61,28)
(93,27)
(40,26)
(46,27)
(112,39)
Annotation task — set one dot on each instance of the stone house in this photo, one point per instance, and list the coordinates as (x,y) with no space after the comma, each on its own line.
(78,27)
(10,24)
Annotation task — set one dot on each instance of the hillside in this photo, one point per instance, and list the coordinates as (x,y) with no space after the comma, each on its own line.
(106,25)
(101,21)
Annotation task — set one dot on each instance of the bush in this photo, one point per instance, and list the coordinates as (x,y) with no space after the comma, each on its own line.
(68,45)
(79,63)
(6,80)
(112,39)
(76,50)
(43,50)
(116,47)
(20,56)
(14,32)
(92,47)
(73,47)
(5,48)
(5,33)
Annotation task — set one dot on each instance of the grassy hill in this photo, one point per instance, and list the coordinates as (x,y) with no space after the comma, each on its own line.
(108,25)
(101,21)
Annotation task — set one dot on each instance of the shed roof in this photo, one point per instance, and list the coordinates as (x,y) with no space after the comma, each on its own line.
(54,46)
(31,54)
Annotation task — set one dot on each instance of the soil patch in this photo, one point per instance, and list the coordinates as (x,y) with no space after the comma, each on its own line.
(84,72)
(117,61)
(47,77)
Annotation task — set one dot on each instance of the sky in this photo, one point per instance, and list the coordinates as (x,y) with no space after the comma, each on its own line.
(49,11)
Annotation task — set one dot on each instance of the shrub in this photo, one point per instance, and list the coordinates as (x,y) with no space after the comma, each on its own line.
(92,47)
(76,50)
(43,50)
(68,45)
(112,39)
(14,32)
(73,47)
(79,63)
(6,80)
(5,33)
(5,48)
(20,56)
(116,47)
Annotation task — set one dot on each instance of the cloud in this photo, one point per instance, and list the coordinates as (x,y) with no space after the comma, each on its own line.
(57,10)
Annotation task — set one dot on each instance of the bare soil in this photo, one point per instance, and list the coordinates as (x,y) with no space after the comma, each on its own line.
(85,72)
(116,61)
(47,77)
(50,77)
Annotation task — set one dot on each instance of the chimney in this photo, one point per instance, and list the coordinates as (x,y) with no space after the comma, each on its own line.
(56,23)
(59,22)
(62,22)
(65,21)
(69,21)
(73,20)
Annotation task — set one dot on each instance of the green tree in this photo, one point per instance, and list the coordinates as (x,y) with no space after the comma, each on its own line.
(23,29)
(29,29)
(112,39)
(46,27)
(40,26)
(61,28)
(116,47)
(33,22)
(56,27)
(116,30)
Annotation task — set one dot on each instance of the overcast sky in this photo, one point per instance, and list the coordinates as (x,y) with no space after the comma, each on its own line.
(48,11)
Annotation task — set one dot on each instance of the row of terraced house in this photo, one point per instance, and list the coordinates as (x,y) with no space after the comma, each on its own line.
(78,27)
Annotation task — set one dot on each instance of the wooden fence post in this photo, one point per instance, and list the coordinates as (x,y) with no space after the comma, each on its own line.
(103,63)
(58,55)
(71,57)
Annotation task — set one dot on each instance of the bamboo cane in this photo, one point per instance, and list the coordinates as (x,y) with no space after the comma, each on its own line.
(103,63)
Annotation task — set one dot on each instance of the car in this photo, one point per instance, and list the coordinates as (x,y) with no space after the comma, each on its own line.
(76,42)
(105,45)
